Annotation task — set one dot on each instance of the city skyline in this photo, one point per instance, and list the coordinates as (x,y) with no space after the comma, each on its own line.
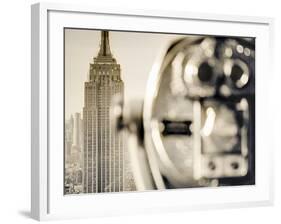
(93,149)
(73,154)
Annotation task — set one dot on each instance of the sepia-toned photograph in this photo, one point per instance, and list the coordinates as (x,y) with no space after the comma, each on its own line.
(157,111)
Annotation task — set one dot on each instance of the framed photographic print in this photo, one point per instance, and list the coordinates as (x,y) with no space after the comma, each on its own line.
(143,111)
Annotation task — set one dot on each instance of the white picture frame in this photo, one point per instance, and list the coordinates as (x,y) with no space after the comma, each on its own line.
(47,199)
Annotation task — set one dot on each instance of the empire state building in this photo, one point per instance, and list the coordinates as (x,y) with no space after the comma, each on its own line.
(103,148)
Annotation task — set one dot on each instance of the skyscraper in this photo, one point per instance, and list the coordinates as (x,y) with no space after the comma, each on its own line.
(68,138)
(103,148)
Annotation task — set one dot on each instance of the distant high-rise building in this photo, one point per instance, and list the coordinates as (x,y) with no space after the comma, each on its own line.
(68,138)
(77,130)
(77,141)
(103,148)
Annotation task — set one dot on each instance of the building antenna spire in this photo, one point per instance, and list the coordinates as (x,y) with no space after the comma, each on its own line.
(104,45)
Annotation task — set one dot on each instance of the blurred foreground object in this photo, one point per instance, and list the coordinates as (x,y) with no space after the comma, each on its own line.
(196,124)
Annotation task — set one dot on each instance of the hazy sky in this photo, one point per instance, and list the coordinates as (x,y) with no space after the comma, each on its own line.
(135,52)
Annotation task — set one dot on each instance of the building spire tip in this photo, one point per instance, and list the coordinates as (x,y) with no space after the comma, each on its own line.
(104,45)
